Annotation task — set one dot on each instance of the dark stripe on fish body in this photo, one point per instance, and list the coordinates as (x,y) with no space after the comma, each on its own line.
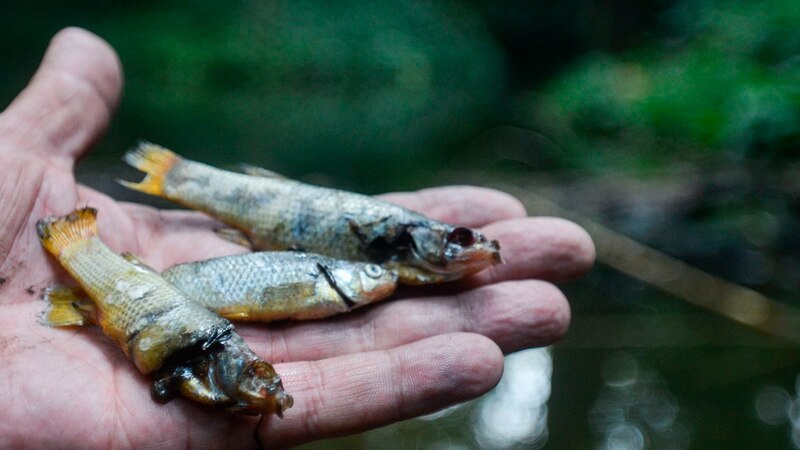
(147,320)
(302,221)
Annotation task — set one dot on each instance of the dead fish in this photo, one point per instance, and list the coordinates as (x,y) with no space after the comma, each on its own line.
(190,350)
(261,286)
(276,213)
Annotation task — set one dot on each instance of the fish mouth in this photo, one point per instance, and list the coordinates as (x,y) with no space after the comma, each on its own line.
(283,401)
(475,259)
(455,265)
(382,290)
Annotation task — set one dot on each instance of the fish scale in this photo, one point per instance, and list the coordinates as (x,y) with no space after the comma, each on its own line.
(133,304)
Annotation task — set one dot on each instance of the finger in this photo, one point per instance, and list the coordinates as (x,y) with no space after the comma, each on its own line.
(538,247)
(470,206)
(69,101)
(515,315)
(358,392)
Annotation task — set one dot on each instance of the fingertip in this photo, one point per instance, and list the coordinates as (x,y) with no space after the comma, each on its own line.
(91,50)
(68,104)
(578,244)
(516,314)
(553,316)
(469,366)
(548,248)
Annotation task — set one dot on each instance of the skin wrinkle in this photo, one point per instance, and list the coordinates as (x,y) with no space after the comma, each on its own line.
(79,88)
(119,406)
(402,400)
(18,188)
(314,405)
(65,71)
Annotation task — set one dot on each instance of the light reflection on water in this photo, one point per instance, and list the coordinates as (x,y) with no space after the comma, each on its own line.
(775,406)
(634,409)
(515,412)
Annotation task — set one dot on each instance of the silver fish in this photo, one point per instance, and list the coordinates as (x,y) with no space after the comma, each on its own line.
(275,213)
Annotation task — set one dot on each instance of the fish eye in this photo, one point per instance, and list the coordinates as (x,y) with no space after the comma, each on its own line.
(461,236)
(373,270)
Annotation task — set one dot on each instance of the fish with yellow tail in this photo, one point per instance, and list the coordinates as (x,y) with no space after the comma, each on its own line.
(260,286)
(188,349)
(271,212)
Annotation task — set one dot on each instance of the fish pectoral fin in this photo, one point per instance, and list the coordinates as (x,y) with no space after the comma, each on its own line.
(276,302)
(133,259)
(235,236)
(68,306)
(289,291)
(255,171)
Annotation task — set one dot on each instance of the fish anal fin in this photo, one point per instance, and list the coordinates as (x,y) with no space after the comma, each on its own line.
(68,306)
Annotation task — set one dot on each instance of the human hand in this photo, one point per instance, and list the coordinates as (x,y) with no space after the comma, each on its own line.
(431,348)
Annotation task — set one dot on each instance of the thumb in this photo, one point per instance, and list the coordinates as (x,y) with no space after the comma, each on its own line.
(69,102)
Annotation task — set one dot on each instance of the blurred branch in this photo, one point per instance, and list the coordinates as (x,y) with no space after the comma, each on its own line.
(671,275)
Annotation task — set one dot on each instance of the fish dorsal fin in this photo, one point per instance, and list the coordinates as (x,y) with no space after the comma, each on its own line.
(256,171)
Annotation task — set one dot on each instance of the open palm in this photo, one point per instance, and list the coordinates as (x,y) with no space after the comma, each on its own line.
(74,388)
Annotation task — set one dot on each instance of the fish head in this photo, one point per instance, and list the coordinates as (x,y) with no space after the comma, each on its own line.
(259,390)
(362,283)
(441,252)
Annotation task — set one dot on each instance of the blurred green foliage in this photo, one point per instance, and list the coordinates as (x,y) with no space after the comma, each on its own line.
(381,95)
(361,90)
(720,85)
(371,94)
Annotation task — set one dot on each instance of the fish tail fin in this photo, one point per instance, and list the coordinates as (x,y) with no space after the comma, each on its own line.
(155,161)
(67,307)
(58,233)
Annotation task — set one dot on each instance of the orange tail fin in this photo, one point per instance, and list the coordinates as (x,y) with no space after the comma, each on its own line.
(58,233)
(155,161)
